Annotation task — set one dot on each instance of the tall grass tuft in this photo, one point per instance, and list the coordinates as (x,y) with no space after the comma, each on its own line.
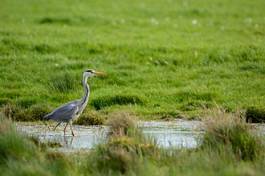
(107,101)
(121,124)
(124,151)
(226,131)
(63,82)
(90,118)
(21,155)
(18,113)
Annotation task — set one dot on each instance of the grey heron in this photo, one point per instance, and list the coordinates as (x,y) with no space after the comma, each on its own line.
(72,110)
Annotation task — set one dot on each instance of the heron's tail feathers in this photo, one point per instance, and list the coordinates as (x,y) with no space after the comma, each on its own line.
(47,117)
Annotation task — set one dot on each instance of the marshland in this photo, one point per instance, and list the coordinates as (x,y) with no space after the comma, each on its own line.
(184,92)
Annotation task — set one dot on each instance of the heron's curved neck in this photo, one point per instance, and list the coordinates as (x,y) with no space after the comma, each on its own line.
(86,90)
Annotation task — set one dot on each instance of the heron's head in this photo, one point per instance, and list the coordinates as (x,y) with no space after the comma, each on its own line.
(90,73)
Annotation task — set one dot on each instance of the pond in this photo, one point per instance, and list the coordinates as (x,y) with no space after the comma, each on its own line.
(175,134)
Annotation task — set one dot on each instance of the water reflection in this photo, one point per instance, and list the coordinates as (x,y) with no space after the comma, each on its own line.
(66,141)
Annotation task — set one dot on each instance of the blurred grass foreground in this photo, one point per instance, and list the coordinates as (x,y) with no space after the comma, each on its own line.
(229,147)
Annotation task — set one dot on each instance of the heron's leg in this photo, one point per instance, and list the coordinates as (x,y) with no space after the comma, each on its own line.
(72,128)
(65,127)
(56,126)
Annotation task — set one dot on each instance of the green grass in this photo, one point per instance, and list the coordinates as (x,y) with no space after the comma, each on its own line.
(163,58)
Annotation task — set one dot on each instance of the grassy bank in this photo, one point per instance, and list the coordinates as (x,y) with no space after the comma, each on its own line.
(163,58)
(229,147)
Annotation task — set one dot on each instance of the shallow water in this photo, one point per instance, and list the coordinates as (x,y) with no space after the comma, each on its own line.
(175,134)
(178,134)
(86,137)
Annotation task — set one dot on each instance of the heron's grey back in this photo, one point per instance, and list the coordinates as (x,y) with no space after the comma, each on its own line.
(65,112)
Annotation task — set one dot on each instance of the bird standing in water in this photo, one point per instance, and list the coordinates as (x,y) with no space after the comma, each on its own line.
(72,110)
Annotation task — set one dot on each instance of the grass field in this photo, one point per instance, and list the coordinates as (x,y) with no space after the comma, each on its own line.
(163,58)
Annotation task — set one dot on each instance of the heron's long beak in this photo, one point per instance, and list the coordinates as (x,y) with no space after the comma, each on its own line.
(100,73)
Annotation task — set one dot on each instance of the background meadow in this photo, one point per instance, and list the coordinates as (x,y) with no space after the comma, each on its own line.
(163,58)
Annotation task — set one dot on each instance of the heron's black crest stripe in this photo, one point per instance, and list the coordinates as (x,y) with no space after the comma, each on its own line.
(89,70)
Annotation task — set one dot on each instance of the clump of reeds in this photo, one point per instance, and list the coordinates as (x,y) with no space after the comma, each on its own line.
(125,148)
(121,124)
(18,113)
(226,131)
(90,118)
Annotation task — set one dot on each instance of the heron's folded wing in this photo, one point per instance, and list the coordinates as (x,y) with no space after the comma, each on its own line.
(65,112)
